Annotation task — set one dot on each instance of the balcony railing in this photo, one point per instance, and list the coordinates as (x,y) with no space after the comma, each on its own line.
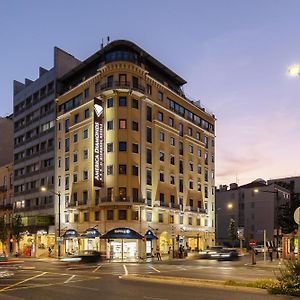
(123,85)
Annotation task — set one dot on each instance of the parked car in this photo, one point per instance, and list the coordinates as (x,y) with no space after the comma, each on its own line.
(228,254)
(210,253)
(87,256)
(260,249)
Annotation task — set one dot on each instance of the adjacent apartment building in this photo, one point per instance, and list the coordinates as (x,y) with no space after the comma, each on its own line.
(254,208)
(134,158)
(34,144)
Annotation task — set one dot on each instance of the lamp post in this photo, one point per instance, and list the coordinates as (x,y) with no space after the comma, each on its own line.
(294,70)
(44,189)
(277,204)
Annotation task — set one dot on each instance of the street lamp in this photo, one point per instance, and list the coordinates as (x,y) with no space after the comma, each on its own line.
(44,189)
(277,229)
(294,70)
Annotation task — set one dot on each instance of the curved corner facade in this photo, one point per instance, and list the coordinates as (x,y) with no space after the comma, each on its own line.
(134,159)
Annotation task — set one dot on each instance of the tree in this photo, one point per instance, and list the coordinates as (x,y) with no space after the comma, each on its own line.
(3,232)
(232,232)
(17,229)
(286,218)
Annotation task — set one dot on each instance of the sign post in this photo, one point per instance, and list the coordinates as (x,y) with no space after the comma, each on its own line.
(252,244)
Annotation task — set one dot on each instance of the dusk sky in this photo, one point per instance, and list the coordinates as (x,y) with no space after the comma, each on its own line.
(233,54)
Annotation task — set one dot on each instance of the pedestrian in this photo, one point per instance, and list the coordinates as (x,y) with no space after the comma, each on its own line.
(180,251)
(158,254)
(270,250)
(49,251)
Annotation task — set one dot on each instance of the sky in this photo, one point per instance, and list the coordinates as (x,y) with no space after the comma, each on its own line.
(234,54)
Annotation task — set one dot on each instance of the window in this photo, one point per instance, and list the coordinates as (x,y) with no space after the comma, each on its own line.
(160,96)
(198,136)
(135,195)
(75,177)
(171,122)
(85,197)
(149,89)
(135,126)
(199,152)
(181,167)
(149,135)
(86,113)
(122,194)
(110,214)
(75,157)
(190,131)
(67,182)
(110,170)
(135,104)
(160,116)
(135,170)
(149,197)
(191,166)
(109,194)
(161,156)
(122,101)
(76,218)
(109,81)
(97,215)
(191,149)
(85,154)
(149,177)
(206,192)
(180,185)
(172,160)
(85,175)
(172,179)
(149,216)
(191,185)
(122,214)
(161,176)
(110,102)
(122,146)
(198,222)
(85,216)
(135,148)
(190,221)
(149,114)
(180,148)
(97,197)
(85,133)
(75,137)
(67,164)
(160,218)
(180,129)
(161,136)
(206,175)
(76,118)
(67,144)
(172,141)
(122,124)
(206,141)
(181,219)
(199,186)
(110,125)
(122,169)
(67,125)
(149,156)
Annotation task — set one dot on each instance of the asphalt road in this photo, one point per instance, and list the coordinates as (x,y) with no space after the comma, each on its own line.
(43,280)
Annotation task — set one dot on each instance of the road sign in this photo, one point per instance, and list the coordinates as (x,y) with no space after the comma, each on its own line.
(297,215)
(252,243)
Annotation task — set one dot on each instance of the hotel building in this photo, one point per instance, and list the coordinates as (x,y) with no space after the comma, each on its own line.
(134,158)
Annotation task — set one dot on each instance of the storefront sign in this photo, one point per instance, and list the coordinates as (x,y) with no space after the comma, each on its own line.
(149,235)
(91,233)
(70,234)
(98,143)
(122,233)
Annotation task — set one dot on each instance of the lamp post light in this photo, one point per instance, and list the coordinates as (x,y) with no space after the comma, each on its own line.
(44,189)
(277,204)
(294,70)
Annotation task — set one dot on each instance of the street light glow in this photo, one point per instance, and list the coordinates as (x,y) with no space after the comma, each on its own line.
(229,205)
(294,70)
(256,190)
(43,189)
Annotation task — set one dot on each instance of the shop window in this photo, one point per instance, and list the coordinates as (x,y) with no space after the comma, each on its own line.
(122,214)
(110,214)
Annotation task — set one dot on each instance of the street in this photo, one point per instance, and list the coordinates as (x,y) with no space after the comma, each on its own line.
(55,280)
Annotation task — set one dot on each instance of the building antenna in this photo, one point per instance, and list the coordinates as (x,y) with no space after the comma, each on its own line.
(108,39)
(102,44)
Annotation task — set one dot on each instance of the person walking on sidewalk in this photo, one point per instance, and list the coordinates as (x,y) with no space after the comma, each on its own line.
(158,254)
(270,250)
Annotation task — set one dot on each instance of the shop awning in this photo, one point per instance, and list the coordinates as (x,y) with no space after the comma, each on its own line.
(149,235)
(70,234)
(121,233)
(91,233)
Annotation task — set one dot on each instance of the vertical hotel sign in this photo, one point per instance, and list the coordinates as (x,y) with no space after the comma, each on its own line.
(98,143)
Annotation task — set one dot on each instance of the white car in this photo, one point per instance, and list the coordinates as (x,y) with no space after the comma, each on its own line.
(260,249)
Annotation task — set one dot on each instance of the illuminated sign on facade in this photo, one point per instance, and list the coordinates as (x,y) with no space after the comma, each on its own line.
(98,143)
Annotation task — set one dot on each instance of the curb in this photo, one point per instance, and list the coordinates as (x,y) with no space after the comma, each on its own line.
(216,284)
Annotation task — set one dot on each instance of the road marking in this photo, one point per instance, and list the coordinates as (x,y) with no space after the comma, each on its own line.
(83,287)
(97,268)
(18,283)
(154,269)
(69,279)
(153,298)
(125,269)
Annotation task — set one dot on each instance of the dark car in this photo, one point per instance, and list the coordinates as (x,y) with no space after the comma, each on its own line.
(86,256)
(228,254)
(210,253)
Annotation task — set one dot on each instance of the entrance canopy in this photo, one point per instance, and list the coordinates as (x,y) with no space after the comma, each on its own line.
(91,233)
(149,235)
(70,234)
(121,233)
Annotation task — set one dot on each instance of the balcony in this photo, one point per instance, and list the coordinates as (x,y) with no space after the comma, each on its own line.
(123,85)
(122,201)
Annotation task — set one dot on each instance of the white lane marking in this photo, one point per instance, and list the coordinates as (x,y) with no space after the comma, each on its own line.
(69,279)
(20,282)
(125,269)
(154,269)
(97,268)
(82,287)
